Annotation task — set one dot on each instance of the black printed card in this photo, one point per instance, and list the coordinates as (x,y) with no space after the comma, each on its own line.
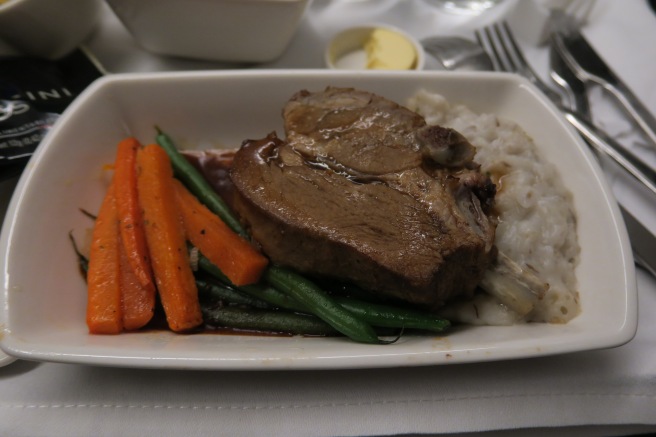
(33,94)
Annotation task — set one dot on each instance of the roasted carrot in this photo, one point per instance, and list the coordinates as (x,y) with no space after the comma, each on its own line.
(129,212)
(166,239)
(138,301)
(104,309)
(235,256)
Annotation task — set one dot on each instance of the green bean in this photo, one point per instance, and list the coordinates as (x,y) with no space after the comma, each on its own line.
(275,321)
(274,297)
(259,291)
(320,304)
(393,317)
(215,291)
(267,321)
(378,315)
(197,184)
(296,293)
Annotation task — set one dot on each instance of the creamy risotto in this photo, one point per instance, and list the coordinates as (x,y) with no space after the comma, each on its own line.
(537,224)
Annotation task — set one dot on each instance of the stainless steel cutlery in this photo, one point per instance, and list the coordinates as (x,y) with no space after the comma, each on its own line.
(574,65)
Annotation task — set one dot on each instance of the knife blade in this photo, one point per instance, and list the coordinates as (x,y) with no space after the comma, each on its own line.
(643,242)
(606,145)
(589,67)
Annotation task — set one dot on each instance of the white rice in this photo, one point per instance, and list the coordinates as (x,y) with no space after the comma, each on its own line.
(537,224)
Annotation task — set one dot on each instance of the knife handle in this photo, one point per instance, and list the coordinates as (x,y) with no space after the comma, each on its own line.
(606,145)
(643,242)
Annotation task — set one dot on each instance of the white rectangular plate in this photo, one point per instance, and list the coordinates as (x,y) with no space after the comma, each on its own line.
(44,295)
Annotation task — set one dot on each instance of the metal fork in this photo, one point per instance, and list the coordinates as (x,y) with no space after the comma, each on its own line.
(499,42)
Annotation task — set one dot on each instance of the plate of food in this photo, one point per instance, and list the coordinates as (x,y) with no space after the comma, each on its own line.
(366,203)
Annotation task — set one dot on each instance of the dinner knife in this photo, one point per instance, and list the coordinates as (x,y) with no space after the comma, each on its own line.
(589,67)
(643,242)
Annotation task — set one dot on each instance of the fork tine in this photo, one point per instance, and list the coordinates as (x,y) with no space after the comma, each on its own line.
(483,37)
(512,49)
(508,55)
(491,39)
(524,67)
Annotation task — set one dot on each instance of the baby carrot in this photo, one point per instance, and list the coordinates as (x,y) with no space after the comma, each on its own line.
(138,301)
(166,239)
(235,256)
(129,212)
(104,309)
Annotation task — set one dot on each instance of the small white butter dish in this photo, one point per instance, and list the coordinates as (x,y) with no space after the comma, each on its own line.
(374,47)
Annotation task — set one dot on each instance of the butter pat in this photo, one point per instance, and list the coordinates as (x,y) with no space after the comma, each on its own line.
(389,50)
(377,46)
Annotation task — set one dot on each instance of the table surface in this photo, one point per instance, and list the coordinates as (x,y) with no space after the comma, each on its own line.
(606,392)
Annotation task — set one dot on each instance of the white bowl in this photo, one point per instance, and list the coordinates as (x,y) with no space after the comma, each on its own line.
(45,28)
(346,51)
(44,296)
(218,30)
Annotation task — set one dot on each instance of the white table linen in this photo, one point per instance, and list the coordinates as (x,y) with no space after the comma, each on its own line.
(608,392)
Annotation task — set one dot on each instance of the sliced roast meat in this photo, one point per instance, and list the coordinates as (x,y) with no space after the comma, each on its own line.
(354,129)
(363,190)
